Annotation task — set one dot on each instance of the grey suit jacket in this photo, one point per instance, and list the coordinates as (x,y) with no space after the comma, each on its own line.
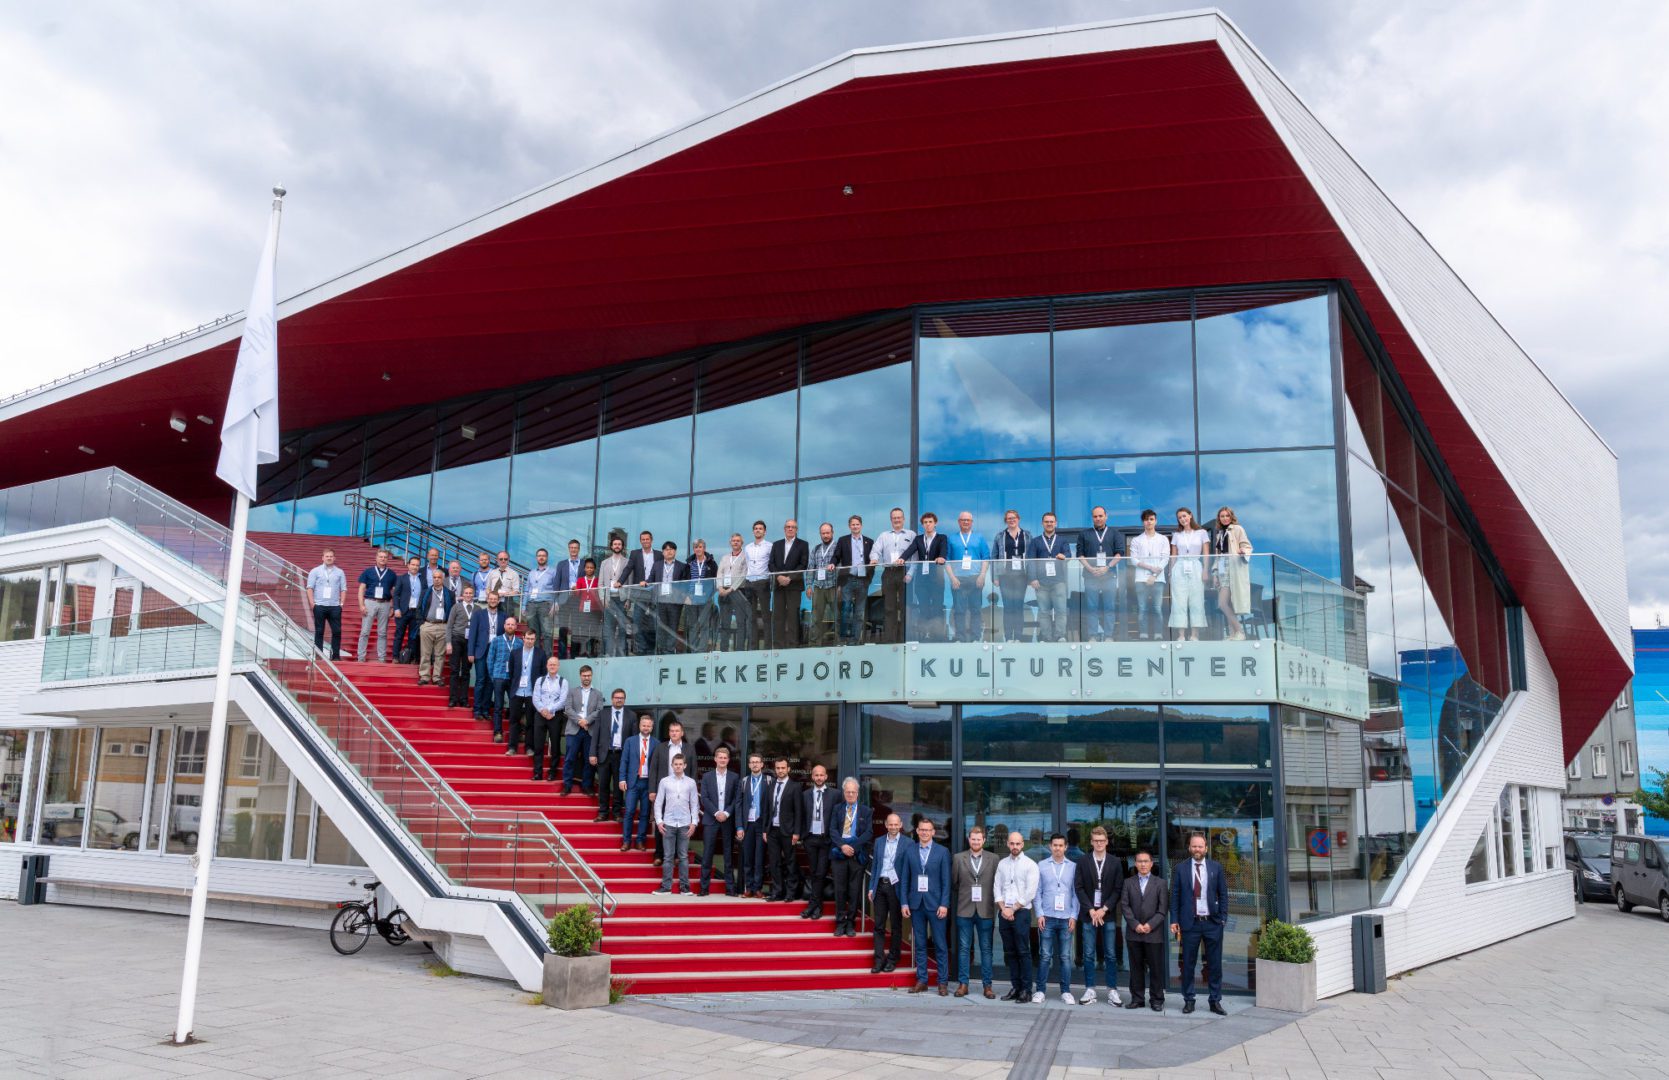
(1153,908)
(963,878)
(574,714)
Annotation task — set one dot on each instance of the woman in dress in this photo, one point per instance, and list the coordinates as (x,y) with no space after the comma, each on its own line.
(1231,571)
(1188,545)
(588,610)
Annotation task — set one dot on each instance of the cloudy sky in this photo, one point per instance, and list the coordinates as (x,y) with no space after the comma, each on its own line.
(138,142)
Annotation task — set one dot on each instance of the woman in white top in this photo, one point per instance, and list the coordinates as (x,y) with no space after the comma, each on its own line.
(1231,571)
(1188,544)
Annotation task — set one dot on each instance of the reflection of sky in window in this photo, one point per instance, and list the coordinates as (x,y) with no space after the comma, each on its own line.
(987,491)
(714,517)
(1371,558)
(745,444)
(326,515)
(1651,710)
(553,478)
(410,494)
(870,495)
(984,397)
(649,460)
(551,532)
(667,519)
(489,535)
(1286,500)
(470,492)
(1266,377)
(1124,388)
(1125,486)
(856,422)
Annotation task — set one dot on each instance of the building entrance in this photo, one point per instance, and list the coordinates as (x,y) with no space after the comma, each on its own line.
(1070,803)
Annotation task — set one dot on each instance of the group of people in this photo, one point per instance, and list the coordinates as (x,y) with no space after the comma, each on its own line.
(933,586)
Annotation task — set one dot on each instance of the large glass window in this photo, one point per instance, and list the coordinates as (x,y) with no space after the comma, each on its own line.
(1217,736)
(912,798)
(20,598)
(900,733)
(870,495)
(1237,819)
(744,431)
(987,491)
(255,799)
(1125,486)
(399,458)
(117,820)
(1265,370)
(1287,501)
(331,848)
(806,735)
(665,519)
(15,788)
(716,515)
(185,816)
(69,762)
(1321,771)
(556,448)
(551,532)
(868,364)
(1001,806)
(984,385)
(1123,735)
(645,450)
(71,590)
(472,460)
(1124,376)
(1127,809)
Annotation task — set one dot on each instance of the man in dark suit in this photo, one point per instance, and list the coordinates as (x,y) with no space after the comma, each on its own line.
(752,816)
(848,856)
(527,665)
(852,554)
(408,593)
(926,904)
(668,597)
(1199,911)
(1146,906)
(485,625)
(660,767)
(817,809)
(926,558)
(638,565)
(720,792)
(613,729)
(633,779)
(789,558)
(1100,885)
(782,830)
(886,889)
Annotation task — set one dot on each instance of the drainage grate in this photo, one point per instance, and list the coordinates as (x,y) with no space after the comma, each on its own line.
(1037,1051)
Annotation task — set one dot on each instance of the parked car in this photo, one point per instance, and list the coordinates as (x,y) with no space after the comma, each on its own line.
(1589,857)
(1640,873)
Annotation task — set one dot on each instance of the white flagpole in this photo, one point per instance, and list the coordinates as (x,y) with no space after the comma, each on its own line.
(259,337)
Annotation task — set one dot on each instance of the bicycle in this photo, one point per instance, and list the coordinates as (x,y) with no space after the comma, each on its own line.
(352,926)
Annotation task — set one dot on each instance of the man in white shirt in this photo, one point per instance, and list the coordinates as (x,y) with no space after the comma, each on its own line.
(609,573)
(1016,889)
(550,696)
(735,610)
(615,728)
(888,553)
(508,583)
(885,895)
(758,586)
(325,586)
(1150,554)
(677,808)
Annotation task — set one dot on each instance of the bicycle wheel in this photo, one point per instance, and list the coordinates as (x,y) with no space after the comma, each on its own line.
(393,928)
(351,929)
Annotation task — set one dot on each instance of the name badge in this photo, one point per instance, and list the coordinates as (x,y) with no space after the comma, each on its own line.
(859,569)
(698,589)
(967,562)
(413,601)
(1097,902)
(585,606)
(1060,902)
(976,893)
(753,815)
(376,593)
(326,593)
(666,587)
(1049,568)
(921,882)
(1101,560)
(926,569)
(1014,564)
(822,573)
(726,582)
(613,585)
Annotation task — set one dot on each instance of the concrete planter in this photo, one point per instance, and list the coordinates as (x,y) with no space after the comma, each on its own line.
(1288,987)
(578,982)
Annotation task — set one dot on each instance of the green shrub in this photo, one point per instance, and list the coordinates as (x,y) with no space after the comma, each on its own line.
(574,932)
(1285,943)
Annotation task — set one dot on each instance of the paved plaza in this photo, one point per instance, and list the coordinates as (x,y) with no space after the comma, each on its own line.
(92,993)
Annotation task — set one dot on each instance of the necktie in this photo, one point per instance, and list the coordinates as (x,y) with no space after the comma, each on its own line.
(643,757)
(614,732)
(847,830)
(1196,881)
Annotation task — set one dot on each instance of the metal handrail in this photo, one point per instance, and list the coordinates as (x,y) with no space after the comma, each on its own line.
(368,511)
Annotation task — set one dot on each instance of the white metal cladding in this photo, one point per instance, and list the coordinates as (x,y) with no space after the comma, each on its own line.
(1562,472)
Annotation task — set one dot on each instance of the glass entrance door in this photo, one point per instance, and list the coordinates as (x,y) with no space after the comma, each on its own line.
(1069,804)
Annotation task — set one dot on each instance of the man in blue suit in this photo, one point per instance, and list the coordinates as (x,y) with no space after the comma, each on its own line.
(486,624)
(926,903)
(848,855)
(1200,904)
(634,782)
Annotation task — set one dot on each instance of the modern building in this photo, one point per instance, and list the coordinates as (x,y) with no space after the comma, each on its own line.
(1605,772)
(1650,692)
(1118,265)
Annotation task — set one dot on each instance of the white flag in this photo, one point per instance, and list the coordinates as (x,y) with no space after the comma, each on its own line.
(249,430)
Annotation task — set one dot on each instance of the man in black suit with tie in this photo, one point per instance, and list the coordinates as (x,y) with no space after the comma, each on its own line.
(925,559)
(613,728)
(638,565)
(789,558)
(408,592)
(720,793)
(852,554)
(1199,912)
(782,830)
(667,596)
(817,808)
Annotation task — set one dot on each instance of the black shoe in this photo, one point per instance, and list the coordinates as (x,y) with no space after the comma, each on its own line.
(891,965)
(1217,1007)
(1133,1003)
(1187,1007)
(774,898)
(539,777)
(1012,995)
(812,911)
(1157,1006)
(877,967)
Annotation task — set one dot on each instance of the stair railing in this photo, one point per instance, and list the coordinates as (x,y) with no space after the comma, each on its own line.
(400,531)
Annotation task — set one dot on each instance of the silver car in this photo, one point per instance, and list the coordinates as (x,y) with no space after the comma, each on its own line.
(1640,873)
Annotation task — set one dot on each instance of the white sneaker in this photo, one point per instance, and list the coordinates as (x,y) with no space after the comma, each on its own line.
(1037,998)
(1088,998)
(1067,997)
(1113,998)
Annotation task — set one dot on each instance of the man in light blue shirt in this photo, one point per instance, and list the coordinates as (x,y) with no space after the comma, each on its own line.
(677,808)
(325,585)
(969,556)
(541,599)
(1057,918)
(480,578)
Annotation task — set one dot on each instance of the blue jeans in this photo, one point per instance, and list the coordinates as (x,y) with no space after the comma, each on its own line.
(966,927)
(1053,612)
(637,801)
(1054,946)
(925,923)
(498,703)
(1101,939)
(676,846)
(1017,947)
(1100,605)
(1150,618)
(854,609)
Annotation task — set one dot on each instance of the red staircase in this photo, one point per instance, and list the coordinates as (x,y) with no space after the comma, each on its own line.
(658,944)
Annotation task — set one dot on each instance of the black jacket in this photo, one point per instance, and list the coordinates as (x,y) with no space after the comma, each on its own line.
(791,557)
(1111,883)
(790,806)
